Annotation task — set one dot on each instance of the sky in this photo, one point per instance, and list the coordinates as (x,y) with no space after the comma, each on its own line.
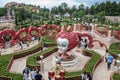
(50,3)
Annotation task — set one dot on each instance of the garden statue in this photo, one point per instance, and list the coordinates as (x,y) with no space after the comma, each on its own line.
(66,41)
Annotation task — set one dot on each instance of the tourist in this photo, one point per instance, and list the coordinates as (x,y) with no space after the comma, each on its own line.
(44,45)
(27,44)
(84,76)
(33,73)
(21,44)
(109,61)
(27,70)
(89,77)
(41,47)
(38,76)
(25,76)
(82,44)
(39,38)
(85,44)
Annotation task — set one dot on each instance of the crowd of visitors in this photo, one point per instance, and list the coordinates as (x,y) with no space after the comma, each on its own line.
(31,74)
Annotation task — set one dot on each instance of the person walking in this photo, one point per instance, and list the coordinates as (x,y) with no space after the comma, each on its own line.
(109,61)
(25,76)
(38,76)
(33,73)
(89,76)
(27,70)
(85,44)
(84,76)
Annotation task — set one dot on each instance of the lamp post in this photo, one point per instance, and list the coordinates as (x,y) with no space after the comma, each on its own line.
(109,33)
(42,64)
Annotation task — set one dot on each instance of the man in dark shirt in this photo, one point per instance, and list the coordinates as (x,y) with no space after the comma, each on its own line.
(38,76)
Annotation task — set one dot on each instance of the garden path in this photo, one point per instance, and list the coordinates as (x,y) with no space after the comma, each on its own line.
(48,63)
(101,72)
(16,48)
(19,64)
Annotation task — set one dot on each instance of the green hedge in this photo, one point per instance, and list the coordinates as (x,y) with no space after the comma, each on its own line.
(116,77)
(113,48)
(31,61)
(89,67)
(48,41)
(4,61)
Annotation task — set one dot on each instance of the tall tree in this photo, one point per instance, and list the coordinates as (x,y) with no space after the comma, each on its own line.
(81,7)
(3,11)
(92,10)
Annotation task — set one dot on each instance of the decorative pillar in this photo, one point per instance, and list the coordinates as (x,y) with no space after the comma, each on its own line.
(109,35)
(62,28)
(74,27)
(42,64)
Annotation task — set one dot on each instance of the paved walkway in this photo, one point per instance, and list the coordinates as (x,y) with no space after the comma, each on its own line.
(48,63)
(18,65)
(102,73)
(16,48)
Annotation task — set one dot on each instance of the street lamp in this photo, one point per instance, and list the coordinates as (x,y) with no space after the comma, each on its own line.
(42,64)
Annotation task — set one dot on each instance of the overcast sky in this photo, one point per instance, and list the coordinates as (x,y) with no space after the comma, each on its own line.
(51,3)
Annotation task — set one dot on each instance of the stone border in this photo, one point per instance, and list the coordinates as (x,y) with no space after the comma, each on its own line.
(10,63)
(5,78)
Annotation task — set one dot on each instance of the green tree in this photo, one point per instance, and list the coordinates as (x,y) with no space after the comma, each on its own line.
(3,11)
(101,16)
(54,10)
(81,7)
(92,10)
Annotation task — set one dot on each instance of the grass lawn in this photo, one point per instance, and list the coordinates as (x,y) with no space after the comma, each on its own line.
(31,60)
(116,77)
(4,61)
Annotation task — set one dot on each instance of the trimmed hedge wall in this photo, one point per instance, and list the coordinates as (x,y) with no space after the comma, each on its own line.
(113,49)
(4,60)
(116,77)
(31,61)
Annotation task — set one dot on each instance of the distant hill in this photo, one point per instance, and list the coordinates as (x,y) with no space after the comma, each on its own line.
(22,5)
